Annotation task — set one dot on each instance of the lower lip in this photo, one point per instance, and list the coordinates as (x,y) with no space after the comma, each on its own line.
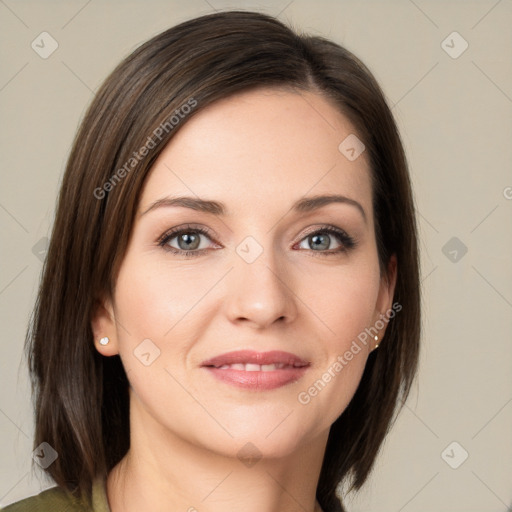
(258,380)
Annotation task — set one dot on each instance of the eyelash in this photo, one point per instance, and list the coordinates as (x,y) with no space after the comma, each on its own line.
(173,233)
(346,240)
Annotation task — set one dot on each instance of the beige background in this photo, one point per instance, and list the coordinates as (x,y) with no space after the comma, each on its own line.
(455,117)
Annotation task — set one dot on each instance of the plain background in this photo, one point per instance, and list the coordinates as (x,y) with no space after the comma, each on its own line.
(455,118)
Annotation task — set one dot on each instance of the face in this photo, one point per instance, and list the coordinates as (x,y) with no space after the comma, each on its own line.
(230,316)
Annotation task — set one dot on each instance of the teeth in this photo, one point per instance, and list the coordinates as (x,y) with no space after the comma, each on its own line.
(251,367)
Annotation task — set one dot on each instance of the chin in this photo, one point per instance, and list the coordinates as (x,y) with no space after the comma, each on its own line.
(269,436)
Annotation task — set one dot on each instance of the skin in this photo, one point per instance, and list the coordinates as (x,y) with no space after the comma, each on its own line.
(256,152)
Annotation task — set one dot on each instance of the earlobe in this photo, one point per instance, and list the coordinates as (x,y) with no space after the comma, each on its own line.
(104,328)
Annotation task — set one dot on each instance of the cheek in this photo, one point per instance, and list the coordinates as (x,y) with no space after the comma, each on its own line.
(343,302)
(345,305)
(151,298)
(163,305)
(142,313)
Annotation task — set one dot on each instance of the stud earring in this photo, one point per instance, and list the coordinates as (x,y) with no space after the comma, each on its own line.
(104,341)
(376,338)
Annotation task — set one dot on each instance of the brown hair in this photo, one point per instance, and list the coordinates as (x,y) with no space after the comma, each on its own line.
(81,397)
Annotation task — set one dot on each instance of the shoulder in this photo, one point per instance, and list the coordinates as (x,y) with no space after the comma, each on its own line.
(54,499)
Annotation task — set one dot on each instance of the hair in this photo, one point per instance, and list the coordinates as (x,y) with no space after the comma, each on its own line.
(80,397)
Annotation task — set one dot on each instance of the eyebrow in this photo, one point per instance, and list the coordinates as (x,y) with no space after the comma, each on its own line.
(303,205)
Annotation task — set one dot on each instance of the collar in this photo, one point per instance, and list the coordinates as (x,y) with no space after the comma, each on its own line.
(99,495)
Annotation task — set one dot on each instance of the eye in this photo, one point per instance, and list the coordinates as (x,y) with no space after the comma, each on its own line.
(321,239)
(187,240)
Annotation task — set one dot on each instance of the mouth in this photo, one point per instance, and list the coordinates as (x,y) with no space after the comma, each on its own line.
(257,370)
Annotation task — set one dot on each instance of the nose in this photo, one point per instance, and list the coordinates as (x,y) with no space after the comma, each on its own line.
(260,293)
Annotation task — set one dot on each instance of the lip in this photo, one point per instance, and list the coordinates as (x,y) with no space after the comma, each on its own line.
(290,368)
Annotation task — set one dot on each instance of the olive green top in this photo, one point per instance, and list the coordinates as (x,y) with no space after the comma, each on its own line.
(57,499)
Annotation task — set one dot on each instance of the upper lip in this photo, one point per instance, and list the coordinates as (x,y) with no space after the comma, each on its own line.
(253,357)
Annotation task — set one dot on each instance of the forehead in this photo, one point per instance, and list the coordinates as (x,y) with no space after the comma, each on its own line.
(261,145)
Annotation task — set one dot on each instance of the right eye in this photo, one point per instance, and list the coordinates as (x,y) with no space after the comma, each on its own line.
(188,240)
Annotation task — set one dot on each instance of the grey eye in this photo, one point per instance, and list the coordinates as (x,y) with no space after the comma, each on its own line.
(318,242)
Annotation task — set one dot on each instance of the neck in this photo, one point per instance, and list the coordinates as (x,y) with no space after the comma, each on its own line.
(162,472)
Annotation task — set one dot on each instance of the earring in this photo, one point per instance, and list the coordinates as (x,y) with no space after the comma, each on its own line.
(104,341)
(376,338)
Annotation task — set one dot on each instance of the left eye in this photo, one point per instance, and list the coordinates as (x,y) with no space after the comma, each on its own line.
(320,240)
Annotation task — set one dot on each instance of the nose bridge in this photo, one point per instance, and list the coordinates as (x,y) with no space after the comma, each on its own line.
(259,287)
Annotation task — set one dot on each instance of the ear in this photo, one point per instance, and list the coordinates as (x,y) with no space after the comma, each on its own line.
(103,325)
(386,292)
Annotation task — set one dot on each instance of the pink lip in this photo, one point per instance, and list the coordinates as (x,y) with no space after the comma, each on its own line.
(294,368)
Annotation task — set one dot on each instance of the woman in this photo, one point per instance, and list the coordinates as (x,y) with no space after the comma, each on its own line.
(235,236)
